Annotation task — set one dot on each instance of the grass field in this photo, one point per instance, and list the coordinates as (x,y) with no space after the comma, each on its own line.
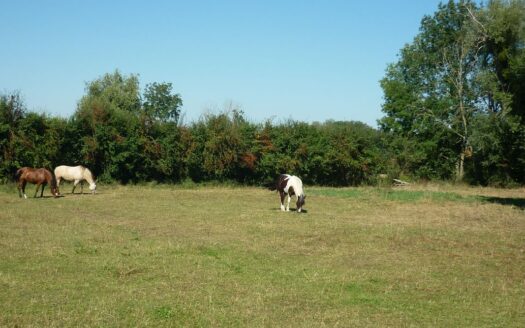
(224,257)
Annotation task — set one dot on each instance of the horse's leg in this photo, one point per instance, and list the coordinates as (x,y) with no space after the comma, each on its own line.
(282,200)
(24,189)
(42,192)
(288,205)
(74,186)
(82,187)
(36,191)
(19,186)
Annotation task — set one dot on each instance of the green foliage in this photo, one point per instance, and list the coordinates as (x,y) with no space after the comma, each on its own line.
(219,137)
(12,111)
(26,138)
(454,108)
(120,142)
(502,25)
(500,144)
(456,94)
(160,104)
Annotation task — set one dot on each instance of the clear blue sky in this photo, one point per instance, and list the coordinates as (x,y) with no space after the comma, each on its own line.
(306,60)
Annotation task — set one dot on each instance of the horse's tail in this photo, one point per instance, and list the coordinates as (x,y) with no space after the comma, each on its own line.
(276,184)
(18,173)
(272,185)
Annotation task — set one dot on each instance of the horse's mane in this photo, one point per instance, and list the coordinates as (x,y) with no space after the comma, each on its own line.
(53,179)
(87,173)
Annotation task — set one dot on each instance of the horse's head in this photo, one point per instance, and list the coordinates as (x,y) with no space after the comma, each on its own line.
(93,188)
(54,189)
(300,202)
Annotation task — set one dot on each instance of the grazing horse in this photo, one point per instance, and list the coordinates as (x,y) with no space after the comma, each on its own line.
(40,177)
(76,174)
(290,185)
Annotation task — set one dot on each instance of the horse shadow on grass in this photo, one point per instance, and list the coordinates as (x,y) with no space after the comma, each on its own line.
(291,210)
(516,202)
(45,197)
(82,194)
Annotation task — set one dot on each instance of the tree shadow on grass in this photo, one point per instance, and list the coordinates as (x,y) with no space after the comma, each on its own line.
(516,202)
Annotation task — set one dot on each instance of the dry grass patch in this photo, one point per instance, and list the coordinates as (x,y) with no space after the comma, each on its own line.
(170,256)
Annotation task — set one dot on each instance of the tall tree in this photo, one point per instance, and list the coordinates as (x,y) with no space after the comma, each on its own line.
(160,103)
(460,79)
(430,92)
(500,142)
(107,118)
(501,30)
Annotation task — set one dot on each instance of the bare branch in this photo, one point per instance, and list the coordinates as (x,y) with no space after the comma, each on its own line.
(475,20)
(429,113)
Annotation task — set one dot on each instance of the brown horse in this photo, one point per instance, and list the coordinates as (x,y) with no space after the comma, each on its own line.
(40,177)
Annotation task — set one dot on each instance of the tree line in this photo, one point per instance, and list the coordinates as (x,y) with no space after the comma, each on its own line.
(454,110)
(125,136)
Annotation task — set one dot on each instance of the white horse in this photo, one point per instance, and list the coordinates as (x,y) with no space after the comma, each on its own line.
(77,174)
(289,185)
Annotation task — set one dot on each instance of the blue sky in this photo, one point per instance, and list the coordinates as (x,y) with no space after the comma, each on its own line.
(303,60)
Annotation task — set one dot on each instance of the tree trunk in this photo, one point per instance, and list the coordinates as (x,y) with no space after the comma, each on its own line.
(460,169)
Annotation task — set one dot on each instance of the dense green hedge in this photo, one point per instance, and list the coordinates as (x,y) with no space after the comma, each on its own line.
(119,141)
(126,145)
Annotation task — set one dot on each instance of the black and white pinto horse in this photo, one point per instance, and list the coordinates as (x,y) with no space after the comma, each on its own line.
(290,185)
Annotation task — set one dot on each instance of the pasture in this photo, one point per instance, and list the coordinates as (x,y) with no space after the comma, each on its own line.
(198,256)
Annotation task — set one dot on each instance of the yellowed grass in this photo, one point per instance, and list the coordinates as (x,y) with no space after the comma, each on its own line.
(432,255)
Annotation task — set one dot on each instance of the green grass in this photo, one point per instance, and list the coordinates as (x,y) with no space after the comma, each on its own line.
(394,195)
(226,256)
